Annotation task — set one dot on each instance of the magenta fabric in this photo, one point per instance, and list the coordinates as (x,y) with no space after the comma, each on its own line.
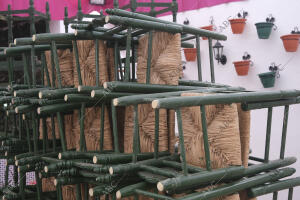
(57,6)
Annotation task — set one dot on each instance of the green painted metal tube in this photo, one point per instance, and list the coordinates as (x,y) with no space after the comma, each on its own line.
(37,48)
(79,98)
(24,108)
(115,128)
(91,35)
(206,84)
(60,120)
(33,92)
(76,172)
(23,155)
(149,57)
(123,158)
(178,166)
(271,165)
(87,89)
(69,155)
(43,38)
(66,20)
(56,63)
(187,29)
(250,171)
(64,107)
(34,159)
(106,178)
(136,134)
(116,60)
(23,41)
(156,132)
(45,102)
(260,105)
(58,165)
(138,23)
(241,185)
(97,191)
(102,120)
(26,168)
(205,137)
(118,169)
(199,179)
(272,187)
(21,86)
(33,66)
(284,131)
(76,55)
(57,93)
(198,58)
(211,59)
(72,180)
(144,88)
(268,135)
(129,190)
(152,195)
(159,171)
(97,61)
(128,48)
(187,45)
(82,142)
(181,142)
(5,99)
(175,102)
(106,94)
(290,197)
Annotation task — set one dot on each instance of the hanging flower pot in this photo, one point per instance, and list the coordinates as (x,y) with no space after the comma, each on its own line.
(291,41)
(237,25)
(242,67)
(209,28)
(267,79)
(190,54)
(264,29)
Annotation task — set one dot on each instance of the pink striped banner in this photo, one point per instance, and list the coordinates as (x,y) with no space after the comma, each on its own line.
(57,6)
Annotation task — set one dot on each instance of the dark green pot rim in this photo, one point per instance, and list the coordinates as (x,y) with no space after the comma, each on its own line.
(264,25)
(267,74)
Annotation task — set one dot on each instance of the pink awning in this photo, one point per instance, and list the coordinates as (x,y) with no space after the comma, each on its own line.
(57,6)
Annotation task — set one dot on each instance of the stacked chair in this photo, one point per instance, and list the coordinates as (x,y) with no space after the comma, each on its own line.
(101,123)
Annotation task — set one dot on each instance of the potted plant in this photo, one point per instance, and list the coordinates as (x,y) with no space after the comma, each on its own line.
(190,54)
(242,67)
(268,78)
(291,41)
(264,28)
(238,24)
(209,28)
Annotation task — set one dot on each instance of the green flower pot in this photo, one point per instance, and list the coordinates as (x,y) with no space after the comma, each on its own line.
(267,79)
(264,29)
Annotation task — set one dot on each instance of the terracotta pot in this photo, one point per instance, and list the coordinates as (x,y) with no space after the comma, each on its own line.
(290,42)
(190,54)
(209,28)
(237,25)
(242,67)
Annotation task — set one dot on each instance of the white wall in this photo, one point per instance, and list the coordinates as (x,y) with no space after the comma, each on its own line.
(263,52)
